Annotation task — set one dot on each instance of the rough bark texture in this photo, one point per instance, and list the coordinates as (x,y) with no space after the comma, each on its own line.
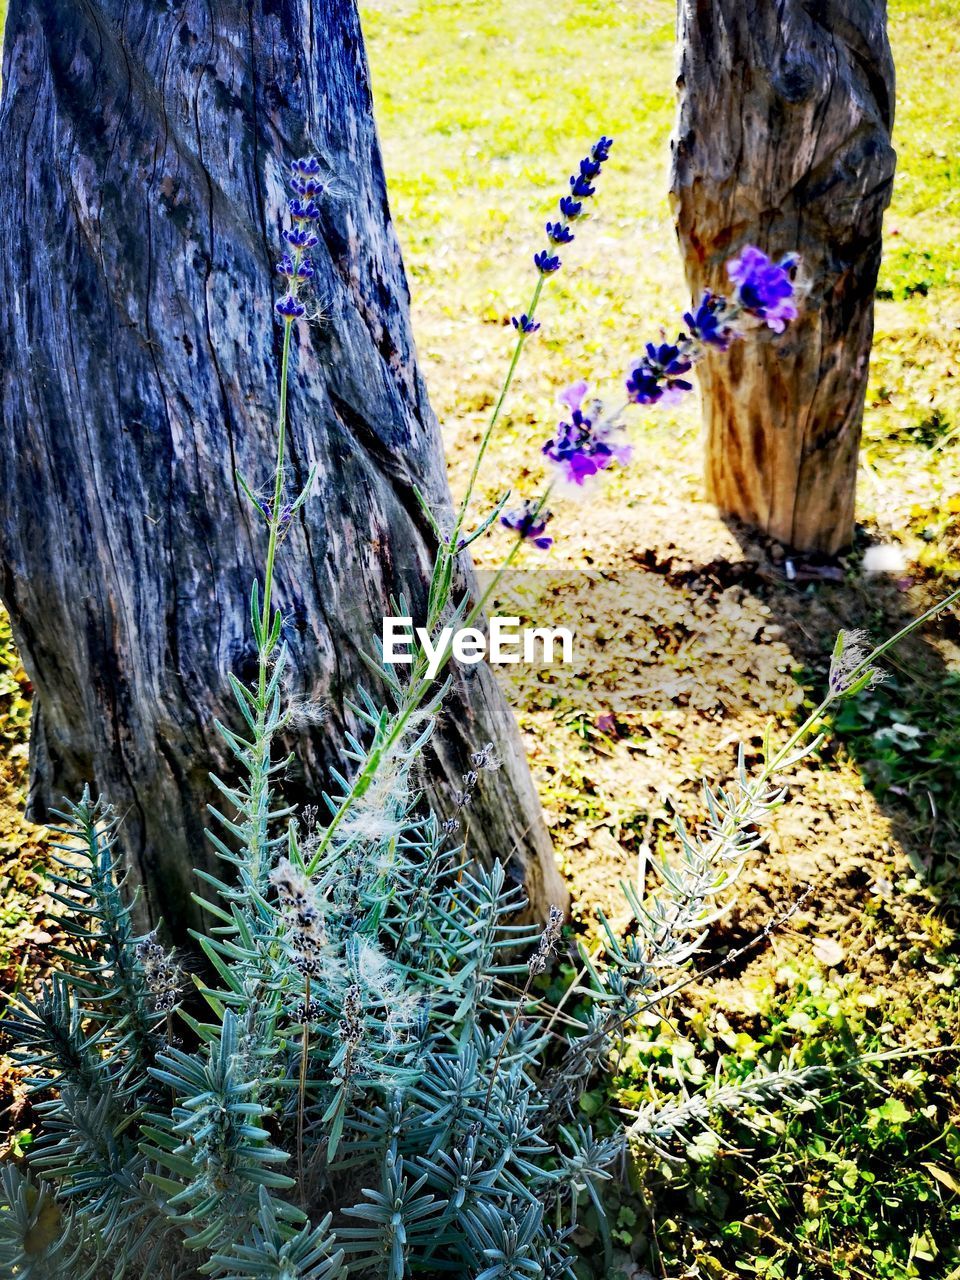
(145,152)
(783,141)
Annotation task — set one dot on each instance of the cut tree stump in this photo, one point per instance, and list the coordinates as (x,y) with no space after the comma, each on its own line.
(142,184)
(783,141)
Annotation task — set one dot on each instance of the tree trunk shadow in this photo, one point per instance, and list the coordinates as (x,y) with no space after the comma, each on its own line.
(677,662)
(903,734)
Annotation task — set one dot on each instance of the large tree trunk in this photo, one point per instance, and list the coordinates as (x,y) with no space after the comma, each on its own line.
(783,141)
(142,172)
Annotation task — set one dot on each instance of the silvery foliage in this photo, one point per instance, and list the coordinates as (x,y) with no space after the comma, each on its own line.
(375,1088)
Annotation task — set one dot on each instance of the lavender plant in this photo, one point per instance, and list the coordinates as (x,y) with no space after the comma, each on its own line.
(372,1084)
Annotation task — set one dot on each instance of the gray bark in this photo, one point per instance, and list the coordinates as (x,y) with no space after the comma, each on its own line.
(783,141)
(145,153)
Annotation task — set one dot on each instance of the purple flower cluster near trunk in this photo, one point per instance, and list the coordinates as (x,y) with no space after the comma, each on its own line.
(294,267)
(588,441)
(586,444)
(763,288)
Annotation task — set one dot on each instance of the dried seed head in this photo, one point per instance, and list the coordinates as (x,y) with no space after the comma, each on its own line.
(350,1026)
(848,674)
(302,917)
(293,888)
(486,758)
(305,713)
(548,940)
(162,974)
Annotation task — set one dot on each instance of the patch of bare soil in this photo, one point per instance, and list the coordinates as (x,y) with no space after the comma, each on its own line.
(692,635)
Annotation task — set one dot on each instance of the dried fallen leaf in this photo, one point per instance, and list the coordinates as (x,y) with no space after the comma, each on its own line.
(829,952)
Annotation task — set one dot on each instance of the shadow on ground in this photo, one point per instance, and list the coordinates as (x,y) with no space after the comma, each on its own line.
(678,662)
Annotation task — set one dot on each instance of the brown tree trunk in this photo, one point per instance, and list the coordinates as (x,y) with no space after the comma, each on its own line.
(783,141)
(145,152)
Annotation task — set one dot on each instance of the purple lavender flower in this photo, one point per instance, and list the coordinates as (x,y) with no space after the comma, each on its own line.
(303,270)
(294,267)
(546,262)
(306,181)
(606,722)
(306,166)
(265,506)
(601,149)
(574,395)
(709,323)
(658,377)
(764,288)
(581,188)
(643,384)
(290,308)
(529,522)
(524,324)
(583,447)
(559,233)
(300,238)
(303,211)
(307,188)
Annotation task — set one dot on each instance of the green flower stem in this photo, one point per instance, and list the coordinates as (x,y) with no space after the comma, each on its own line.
(261,787)
(495,416)
(442,576)
(302,1083)
(420,686)
(859,670)
(265,618)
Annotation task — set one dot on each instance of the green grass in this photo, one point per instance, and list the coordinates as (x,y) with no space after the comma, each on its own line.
(907,734)
(912,427)
(21,863)
(863,1177)
(857,1178)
